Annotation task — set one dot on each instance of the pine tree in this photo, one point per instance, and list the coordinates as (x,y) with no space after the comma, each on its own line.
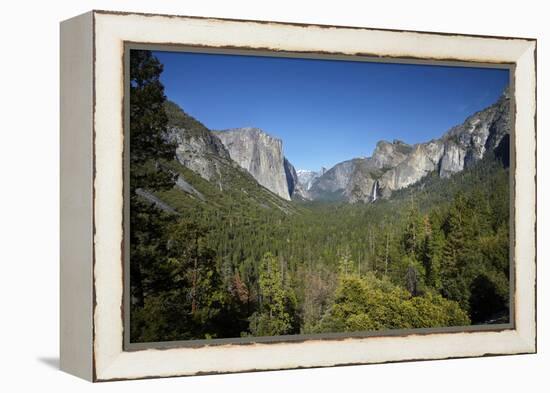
(413,235)
(273,317)
(411,271)
(149,144)
(454,256)
(346,265)
(433,255)
(148,149)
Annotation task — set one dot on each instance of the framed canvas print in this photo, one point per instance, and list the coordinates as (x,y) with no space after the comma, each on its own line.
(245,195)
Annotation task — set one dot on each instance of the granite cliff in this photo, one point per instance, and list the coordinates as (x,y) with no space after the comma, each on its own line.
(196,147)
(262,156)
(203,155)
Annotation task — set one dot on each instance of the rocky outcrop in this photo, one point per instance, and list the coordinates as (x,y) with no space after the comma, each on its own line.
(199,152)
(196,147)
(501,122)
(467,143)
(362,181)
(186,187)
(398,165)
(260,154)
(332,184)
(154,200)
(422,159)
(389,155)
(453,159)
(291,177)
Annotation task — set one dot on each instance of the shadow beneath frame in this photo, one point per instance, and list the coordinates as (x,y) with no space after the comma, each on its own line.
(52,362)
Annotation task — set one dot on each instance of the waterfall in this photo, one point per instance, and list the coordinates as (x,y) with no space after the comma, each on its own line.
(375,191)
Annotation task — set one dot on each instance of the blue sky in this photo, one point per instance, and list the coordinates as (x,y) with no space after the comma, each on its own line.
(327,111)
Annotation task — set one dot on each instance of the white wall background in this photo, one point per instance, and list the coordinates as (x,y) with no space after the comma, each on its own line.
(29,183)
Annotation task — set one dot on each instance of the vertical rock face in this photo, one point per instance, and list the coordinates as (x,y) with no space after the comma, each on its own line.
(362,181)
(260,154)
(195,151)
(291,177)
(422,159)
(453,159)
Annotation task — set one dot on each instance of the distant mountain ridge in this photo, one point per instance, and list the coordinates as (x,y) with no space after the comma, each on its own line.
(306,179)
(392,166)
(397,165)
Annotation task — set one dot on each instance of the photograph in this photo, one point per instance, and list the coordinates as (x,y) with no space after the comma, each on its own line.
(285,196)
(217,197)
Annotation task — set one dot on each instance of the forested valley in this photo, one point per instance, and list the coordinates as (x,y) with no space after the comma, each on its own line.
(230,259)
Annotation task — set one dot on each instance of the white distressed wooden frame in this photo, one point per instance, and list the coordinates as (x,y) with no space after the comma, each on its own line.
(92,47)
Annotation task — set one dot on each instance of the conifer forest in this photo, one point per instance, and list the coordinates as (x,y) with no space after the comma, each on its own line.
(228,240)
